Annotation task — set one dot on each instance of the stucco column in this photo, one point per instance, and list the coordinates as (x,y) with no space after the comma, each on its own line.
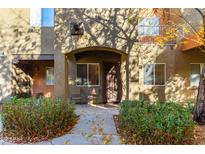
(61,76)
(5,78)
(127,63)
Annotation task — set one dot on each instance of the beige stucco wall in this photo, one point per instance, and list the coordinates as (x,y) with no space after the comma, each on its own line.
(178,87)
(110,28)
(18,37)
(5,78)
(149,54)
(106,28)
(103,27)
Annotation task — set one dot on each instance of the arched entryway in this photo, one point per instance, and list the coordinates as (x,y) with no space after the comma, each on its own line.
(95,75)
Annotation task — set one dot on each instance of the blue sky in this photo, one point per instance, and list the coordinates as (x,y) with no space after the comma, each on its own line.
(47,17)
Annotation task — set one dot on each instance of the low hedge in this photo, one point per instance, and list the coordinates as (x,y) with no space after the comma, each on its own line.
(32,118)
(157,123)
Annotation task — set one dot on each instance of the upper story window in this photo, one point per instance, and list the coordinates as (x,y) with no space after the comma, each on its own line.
(42,17)
(195,72)
(154,74)
(148,26)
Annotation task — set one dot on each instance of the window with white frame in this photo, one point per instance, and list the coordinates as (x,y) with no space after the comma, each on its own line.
(154,74)
(42,17)
(49,76)
(148,26)
(88,74)
(195,72)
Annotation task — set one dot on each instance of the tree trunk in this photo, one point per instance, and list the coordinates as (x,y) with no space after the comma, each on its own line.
(199,111)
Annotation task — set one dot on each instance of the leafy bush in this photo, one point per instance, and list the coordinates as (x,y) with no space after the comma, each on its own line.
(36,118)
(157,123)
(190,106)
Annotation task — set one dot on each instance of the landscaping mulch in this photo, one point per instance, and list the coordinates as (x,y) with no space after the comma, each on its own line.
(199,135)
(9,137)
(126,136)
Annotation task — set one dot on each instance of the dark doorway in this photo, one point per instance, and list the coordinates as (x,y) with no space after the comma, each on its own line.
(112,82)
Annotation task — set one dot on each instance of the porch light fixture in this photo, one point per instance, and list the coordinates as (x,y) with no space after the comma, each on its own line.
(76,28)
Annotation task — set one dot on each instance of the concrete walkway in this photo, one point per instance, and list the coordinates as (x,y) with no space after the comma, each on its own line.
(95,126)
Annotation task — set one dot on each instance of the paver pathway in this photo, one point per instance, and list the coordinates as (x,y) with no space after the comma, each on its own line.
(95,126)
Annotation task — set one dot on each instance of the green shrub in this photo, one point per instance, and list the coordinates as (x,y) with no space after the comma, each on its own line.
(190,106)
(36,118)
(157,123)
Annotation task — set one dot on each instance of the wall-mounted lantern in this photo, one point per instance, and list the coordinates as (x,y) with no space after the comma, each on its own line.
(76,28)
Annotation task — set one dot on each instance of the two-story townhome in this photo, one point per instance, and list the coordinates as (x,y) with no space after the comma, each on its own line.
(99,55)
